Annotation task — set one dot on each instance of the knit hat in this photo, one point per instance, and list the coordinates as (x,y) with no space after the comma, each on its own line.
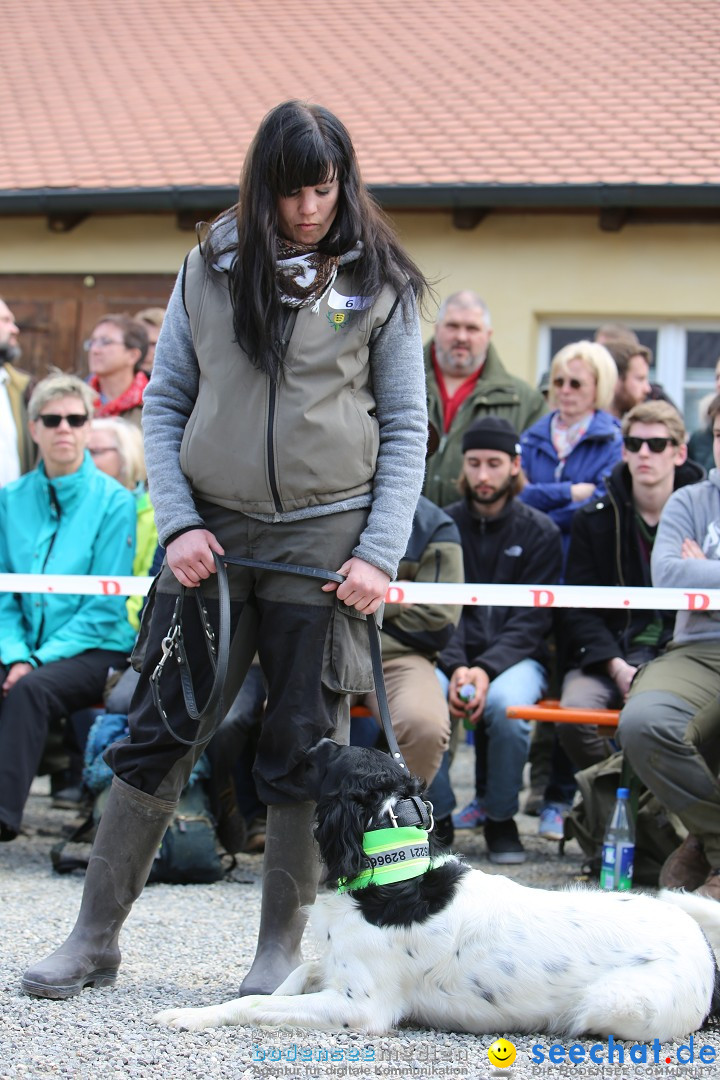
(492,433)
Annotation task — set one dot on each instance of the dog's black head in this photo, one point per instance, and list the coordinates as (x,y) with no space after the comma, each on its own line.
(356,790)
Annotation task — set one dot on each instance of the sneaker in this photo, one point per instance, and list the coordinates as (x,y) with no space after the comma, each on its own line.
(552,822)
(711,888)
(469,818)
(687,867)
(503,842)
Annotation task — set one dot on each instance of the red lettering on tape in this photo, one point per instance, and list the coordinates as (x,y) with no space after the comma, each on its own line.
(542,597)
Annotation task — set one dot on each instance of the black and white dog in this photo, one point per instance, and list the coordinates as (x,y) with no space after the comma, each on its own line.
(456,949)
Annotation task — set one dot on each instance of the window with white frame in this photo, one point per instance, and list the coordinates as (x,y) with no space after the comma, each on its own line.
(684,354)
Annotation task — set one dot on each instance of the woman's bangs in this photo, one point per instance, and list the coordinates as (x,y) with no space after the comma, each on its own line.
(310,163)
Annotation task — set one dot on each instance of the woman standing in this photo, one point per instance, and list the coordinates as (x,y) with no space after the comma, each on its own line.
(285,421)
(566,454)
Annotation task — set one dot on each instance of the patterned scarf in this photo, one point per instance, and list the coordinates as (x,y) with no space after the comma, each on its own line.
(565,437)
(303,274)
(129,399)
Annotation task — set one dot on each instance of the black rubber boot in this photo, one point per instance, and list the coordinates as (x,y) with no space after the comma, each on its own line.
(128,837)
(291,871)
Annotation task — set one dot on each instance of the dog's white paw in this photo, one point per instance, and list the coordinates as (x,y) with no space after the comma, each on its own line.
(189,1019)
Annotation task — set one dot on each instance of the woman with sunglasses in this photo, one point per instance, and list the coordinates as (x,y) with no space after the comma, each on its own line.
(568,452)
(64,517)
(285,421)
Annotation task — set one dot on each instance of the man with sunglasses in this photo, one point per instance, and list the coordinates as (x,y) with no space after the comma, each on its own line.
(64,517)
(670,727)
(611,544)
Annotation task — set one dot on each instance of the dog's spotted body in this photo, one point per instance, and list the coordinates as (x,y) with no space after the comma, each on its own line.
(460,950)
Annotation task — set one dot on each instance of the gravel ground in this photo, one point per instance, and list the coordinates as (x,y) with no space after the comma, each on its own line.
(190,945)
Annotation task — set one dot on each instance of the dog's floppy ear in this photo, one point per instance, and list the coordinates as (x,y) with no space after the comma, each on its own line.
(340,828)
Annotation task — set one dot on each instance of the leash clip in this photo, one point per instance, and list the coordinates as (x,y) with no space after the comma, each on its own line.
(168,642)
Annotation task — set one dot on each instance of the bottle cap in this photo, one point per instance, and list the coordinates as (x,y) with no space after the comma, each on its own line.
(623,793)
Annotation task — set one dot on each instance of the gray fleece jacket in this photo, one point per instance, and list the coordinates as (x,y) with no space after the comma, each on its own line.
(693,512)
(398,385)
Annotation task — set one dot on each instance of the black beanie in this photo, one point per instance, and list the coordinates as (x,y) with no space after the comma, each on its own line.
(492,433)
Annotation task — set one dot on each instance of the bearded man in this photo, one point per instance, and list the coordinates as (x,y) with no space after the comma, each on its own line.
(466,381)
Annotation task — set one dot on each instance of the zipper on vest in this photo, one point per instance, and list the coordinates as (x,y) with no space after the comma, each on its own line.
(288,327)
(270,450)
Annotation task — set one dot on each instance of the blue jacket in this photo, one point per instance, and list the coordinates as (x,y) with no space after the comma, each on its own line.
(78,524)
(599,449)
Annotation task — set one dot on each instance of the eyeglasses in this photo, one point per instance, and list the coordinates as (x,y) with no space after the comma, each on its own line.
(101,342)
(53,420)
(97,451)
(633,444)
(574,384)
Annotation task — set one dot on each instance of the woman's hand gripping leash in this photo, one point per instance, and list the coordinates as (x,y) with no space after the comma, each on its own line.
(364,586)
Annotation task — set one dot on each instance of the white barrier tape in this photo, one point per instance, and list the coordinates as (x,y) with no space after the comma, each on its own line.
(75,583)
(417,592)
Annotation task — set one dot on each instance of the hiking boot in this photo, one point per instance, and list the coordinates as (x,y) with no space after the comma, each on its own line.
(503,842)
(711,888)
(686,868)
(472,816)
(255,840)
(69,798)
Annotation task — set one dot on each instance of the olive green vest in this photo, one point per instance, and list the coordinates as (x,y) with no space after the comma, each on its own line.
(311,440)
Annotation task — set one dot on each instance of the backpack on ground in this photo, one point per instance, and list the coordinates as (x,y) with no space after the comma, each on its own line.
(189,851)
(657,831)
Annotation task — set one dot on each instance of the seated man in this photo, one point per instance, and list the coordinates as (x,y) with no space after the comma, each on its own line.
(633,384)
(500,651)
(611,544)
(412,636)
(467,380)
(17,451)
(669,727)
(65,517)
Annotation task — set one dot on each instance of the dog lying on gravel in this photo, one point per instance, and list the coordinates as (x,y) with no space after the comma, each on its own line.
(453,948)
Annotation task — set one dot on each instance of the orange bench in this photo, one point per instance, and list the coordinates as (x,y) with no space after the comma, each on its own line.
(549,711)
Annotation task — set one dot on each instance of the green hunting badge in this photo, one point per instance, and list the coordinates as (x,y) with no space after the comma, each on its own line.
(342,307)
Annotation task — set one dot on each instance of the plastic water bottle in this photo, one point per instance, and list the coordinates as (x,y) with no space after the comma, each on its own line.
(466,693)
(618,851)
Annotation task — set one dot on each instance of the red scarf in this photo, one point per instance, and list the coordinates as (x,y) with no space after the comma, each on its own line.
(129,399)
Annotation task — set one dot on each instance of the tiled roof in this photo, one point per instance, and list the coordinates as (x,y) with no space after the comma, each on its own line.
(125,94)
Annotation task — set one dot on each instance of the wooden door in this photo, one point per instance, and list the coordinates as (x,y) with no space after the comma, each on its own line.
(56,312)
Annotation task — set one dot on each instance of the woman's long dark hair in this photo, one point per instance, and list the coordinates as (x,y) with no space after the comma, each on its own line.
(299,145)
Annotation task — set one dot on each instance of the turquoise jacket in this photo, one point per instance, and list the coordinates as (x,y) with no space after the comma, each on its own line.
(78,524)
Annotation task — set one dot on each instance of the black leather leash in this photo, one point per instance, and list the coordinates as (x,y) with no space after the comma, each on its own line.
(219,652)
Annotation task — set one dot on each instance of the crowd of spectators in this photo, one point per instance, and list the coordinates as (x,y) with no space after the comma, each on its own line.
(590,482)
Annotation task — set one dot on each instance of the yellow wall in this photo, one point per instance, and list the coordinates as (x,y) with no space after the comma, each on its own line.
(530,268)
(527,267)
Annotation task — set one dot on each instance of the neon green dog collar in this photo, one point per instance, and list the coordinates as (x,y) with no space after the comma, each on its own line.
(391,855)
